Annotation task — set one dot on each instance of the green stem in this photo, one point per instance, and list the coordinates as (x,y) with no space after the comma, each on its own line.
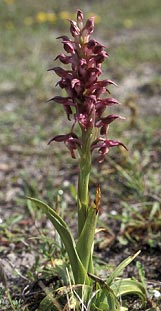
(87,215)
(83,180)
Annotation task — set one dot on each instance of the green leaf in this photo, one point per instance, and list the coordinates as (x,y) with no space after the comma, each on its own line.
(120,268)
(106,300)
(112,301)
(86,240)
(128,286)
(105,296)
(79,272)
(154,210)
(49,304)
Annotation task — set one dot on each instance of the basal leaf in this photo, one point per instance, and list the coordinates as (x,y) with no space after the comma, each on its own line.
(78,269)
(128,286)
(120,268)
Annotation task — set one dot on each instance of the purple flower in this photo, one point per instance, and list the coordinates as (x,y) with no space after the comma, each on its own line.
(71,141)
(103,146)
(84,101)
(104,122)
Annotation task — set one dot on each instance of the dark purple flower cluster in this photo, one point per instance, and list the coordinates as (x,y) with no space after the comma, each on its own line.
(83,87)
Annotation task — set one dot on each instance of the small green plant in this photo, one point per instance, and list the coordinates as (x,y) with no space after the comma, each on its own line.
(7,302)
(138,223)
(86,104)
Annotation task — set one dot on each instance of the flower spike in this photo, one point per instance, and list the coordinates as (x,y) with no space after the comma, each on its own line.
(86,101)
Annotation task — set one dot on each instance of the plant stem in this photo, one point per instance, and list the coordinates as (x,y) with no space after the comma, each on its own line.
(83,180)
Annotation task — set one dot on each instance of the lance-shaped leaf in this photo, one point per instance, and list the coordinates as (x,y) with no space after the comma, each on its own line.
(85,242)
(121,267)
(79,272)
(129,287)
(105,298)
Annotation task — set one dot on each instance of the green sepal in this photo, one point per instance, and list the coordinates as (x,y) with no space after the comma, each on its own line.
(79,272)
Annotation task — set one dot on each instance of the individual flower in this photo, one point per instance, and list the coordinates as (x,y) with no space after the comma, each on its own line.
(71,141)
(41,17)
(51,17)
(103,146)
(9,2)
(64,15)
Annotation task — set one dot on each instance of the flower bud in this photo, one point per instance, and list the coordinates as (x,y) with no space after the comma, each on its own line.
(88,29)
(74,29)
(80,18)
(68,47)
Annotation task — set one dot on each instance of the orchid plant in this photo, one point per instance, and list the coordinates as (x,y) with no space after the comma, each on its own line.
(85,106)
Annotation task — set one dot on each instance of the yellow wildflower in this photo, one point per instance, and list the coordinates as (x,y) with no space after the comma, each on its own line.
(128,23)
(9,25)
(65,15)
(97,17)
(28,21)
(9,1)
(51,17)
(41,17)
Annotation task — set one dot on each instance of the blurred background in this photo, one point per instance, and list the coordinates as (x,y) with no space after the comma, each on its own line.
(131,32)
